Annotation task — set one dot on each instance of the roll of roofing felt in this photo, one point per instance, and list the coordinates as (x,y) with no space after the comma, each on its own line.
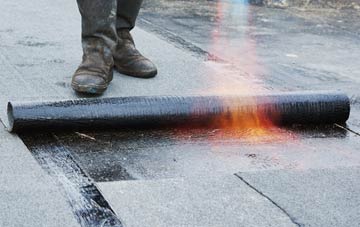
(169,111)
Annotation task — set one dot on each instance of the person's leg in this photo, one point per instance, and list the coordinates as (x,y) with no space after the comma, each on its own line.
(99,39)
(127,58)
(127,12)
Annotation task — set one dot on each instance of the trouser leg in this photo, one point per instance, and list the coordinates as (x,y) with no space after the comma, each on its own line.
(127,12)
(127,59)
(98,18)
(99,40)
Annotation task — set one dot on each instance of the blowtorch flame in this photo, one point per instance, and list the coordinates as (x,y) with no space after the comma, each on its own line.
(240,52)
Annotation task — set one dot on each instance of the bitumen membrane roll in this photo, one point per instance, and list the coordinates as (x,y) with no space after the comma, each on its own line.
(172,111)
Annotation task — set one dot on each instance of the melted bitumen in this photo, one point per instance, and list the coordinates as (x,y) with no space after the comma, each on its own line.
(128,154)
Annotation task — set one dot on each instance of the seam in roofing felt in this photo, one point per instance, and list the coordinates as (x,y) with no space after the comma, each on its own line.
(87,203)
(292,219)
(183,44)
(178,41)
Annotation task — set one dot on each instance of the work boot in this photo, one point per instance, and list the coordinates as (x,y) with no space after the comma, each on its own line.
(96,70)
(129,61)
(99,40)
(127,58)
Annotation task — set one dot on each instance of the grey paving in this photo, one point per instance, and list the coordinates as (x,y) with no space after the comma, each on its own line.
(317,197)
(28,196)
(201,201)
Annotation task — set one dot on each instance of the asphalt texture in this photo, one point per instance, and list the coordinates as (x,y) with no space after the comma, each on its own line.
(295,176)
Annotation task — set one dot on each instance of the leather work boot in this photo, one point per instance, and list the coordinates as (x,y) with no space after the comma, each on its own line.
(127,58)
(99,39)
(96,70)
(129,61)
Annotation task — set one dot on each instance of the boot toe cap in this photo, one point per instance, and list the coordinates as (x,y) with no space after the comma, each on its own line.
(89,80)
(147,66)
(89,84)
(142,68)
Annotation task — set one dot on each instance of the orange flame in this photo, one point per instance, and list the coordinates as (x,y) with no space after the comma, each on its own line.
(242,58)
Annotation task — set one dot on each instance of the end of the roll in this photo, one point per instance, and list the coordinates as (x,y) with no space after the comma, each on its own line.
(347,108)
(10,114)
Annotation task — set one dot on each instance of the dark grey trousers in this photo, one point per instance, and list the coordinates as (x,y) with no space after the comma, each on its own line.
(101,18)
(127,12)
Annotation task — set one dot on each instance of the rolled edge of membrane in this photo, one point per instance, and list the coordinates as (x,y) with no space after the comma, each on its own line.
(15,125)
(10,115)
(348,109)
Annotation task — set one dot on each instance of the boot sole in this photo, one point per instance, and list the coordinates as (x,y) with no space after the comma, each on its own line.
(89,89)
(146,75)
